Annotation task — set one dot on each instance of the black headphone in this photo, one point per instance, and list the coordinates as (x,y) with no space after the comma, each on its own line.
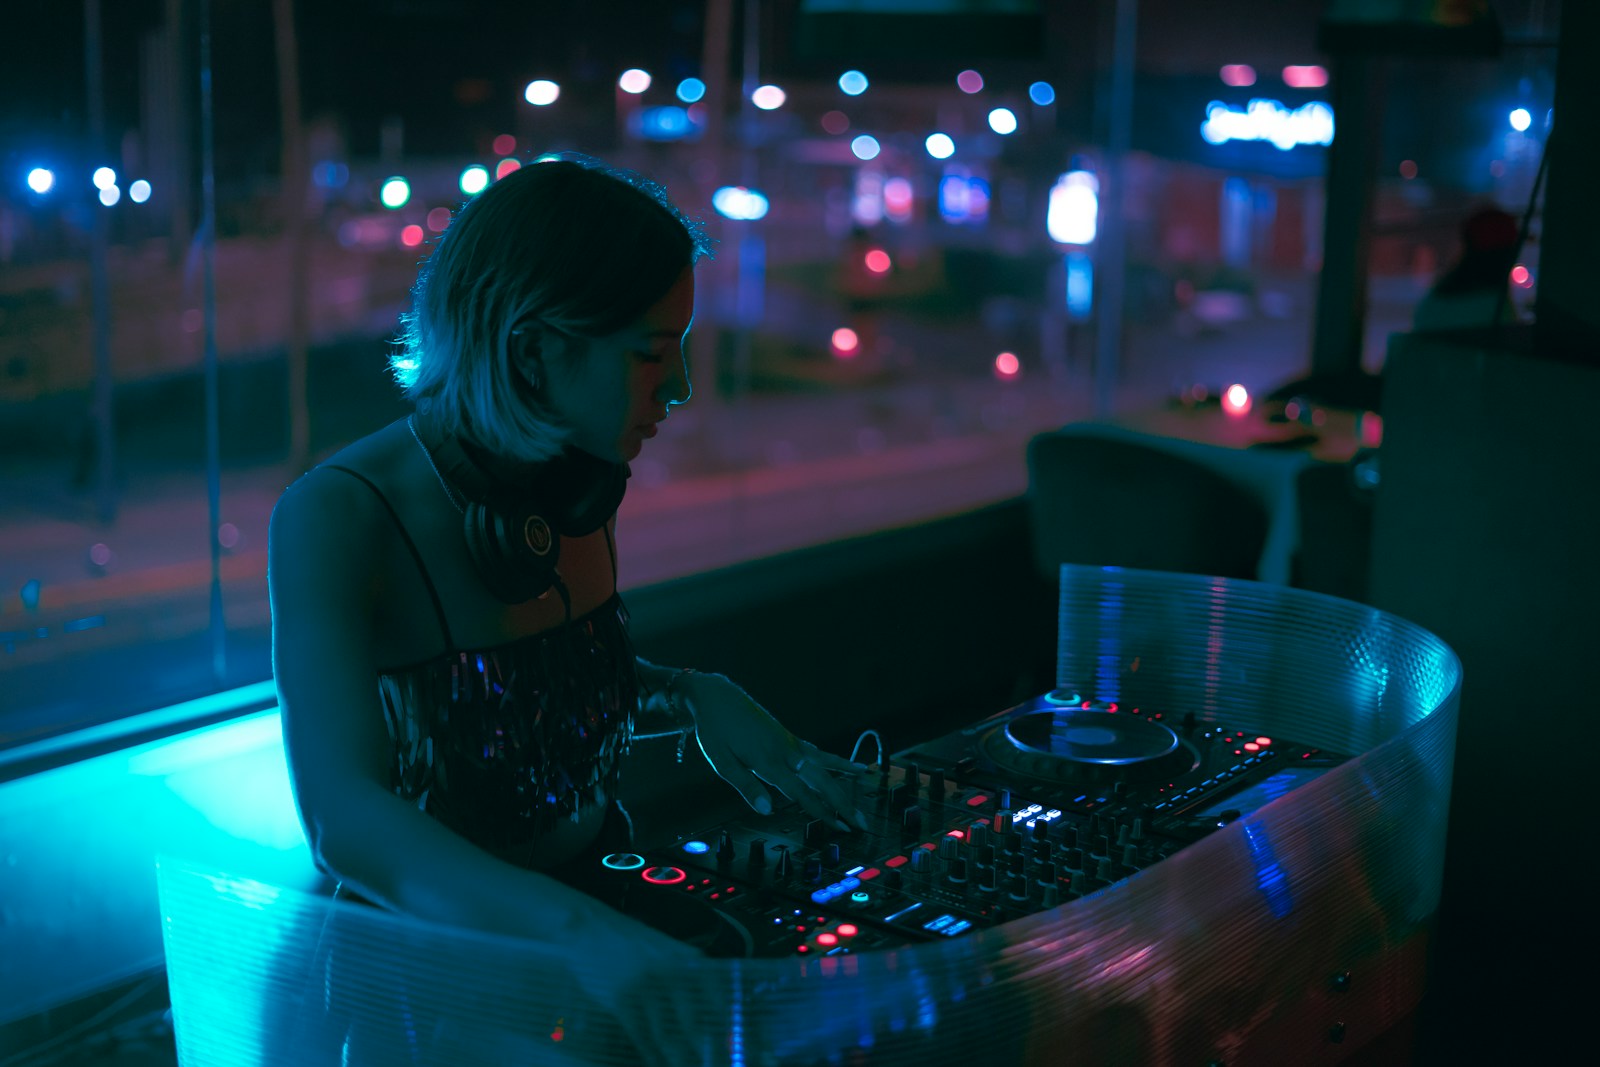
(516,515)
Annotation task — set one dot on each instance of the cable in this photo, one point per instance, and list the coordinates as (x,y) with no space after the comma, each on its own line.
(864,735)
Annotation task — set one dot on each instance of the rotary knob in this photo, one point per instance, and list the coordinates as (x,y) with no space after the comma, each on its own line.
(949,848)
(978,834)
(1002,822)
(958,871)
(922,861)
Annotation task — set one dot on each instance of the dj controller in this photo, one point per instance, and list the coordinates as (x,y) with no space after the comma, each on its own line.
(1039,805)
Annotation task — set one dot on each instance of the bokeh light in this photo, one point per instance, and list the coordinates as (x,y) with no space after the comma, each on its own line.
(690,90)
(509,165)
(394,193)
(439,219)
(1235,400)
(940,146)
(1003,120)
(1042,93)
(970,81)
(738,202)
(41,180)
(852,83)
(104,177)
(110,195)
(768,98)
(505,144)
(845,342)
(1305,77)
(634,80)
(1238,75)
(139,191)
(411,236)
(865,147)
(835,122)
(541,93)
(1521,119)
(878,261)
(474,180)
(1521,275)
(1408,169)
(1007,366)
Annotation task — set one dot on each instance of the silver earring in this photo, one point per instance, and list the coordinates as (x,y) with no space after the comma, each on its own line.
(533,381)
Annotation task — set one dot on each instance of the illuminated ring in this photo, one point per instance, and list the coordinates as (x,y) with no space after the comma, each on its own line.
(622,861)
(663,875)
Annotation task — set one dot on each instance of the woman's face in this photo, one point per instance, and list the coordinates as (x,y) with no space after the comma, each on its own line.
(612,396)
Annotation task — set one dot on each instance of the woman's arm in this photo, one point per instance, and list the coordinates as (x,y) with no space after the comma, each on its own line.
(321,571)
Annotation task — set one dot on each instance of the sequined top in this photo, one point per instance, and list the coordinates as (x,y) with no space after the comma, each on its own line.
(499,743)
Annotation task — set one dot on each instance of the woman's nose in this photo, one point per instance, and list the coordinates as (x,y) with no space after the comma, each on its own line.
(677,389)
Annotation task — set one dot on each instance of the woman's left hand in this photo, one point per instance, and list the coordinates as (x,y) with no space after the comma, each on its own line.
(746,746)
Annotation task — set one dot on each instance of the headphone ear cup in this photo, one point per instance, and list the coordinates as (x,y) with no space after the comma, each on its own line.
(516,554)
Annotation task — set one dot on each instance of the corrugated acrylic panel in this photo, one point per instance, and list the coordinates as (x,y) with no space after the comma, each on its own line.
(1305,921)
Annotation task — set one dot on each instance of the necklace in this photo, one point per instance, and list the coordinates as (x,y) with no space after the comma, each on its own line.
(411,424)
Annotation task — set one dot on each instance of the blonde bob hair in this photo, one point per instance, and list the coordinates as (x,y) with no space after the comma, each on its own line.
(566,244)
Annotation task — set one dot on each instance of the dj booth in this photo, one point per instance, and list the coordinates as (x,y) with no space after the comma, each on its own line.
(1218,839)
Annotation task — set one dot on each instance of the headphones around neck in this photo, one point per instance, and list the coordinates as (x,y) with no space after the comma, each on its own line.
(516,515)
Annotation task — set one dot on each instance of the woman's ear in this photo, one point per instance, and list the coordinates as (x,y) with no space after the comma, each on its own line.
(527,355)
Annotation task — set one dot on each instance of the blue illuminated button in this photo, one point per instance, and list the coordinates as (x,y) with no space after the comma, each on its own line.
(848,883)
(860,897)
(696,847)
(940,923)
(824,895)
(622,861)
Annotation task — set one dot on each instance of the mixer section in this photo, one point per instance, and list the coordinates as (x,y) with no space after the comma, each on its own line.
(1042,804)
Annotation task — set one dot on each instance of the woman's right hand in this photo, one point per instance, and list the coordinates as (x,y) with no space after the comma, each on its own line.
(649,986)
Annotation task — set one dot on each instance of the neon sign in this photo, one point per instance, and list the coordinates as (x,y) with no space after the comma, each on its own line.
(1269,120)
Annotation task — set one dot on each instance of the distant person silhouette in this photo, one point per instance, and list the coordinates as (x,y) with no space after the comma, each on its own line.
(1475,291)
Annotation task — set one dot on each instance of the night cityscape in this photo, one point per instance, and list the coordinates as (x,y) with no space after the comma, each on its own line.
(1287,294)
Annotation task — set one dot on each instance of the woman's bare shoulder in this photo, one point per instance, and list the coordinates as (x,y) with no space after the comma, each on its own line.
(328,504)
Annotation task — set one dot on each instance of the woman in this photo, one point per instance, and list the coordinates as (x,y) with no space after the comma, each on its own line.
(452,658)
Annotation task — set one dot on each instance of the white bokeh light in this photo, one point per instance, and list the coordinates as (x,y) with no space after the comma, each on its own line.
(541,93)
(634,81)
(1003,120)
(865,147)
(104,178)
(110,195)
(474,180)
(139,191)
(940,146)
(41,180)
(768,98)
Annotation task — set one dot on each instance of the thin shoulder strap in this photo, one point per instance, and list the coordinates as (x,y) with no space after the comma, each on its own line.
(611,547)
(433,594)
